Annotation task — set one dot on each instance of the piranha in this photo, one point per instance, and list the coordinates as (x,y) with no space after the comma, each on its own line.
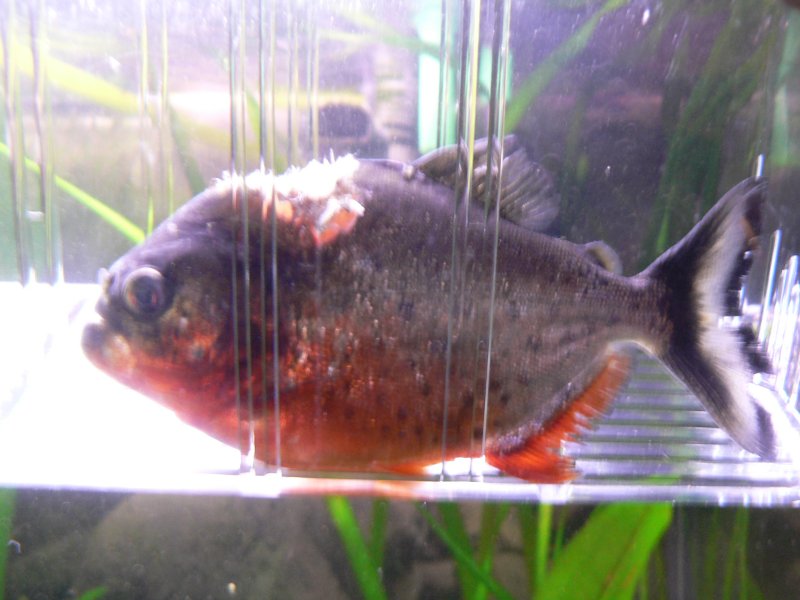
(375,316)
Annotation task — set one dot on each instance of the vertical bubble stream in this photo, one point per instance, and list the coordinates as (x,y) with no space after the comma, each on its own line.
(469,46)
(16,141)
(43,124)
(500,51)
(166,167)
(241,318)
(312,79)
(266,145)
(294,79)
(310,43)
(444,75)
(468,114)
(450,313)
(145,154)
(262,241)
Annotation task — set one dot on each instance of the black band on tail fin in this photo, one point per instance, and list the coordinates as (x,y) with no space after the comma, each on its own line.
(702,277)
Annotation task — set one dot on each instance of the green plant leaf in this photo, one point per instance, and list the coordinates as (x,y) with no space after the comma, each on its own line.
(605,559)
(492,518)
(365,570)
(453,525)
(98,207)
(94,593)
(75,80)
(544,73)
(7,498)
(379,33)
(463,556)
(377,534)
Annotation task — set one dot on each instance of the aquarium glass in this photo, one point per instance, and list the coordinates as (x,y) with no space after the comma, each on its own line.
(640,114)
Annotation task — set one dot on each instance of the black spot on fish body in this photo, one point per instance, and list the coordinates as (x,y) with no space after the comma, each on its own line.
(513,311)
(406,310)
(402,414)
(533,344)
(505,398)
(437,347)
(524,379)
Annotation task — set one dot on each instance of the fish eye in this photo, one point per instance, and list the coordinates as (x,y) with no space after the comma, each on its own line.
(144,292)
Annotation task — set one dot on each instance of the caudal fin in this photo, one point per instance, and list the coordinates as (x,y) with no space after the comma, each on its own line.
(703,277)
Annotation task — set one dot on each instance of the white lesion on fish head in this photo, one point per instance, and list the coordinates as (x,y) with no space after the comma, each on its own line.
(320,199)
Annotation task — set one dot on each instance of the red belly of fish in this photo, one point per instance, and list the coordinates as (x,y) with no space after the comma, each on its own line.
(379,415)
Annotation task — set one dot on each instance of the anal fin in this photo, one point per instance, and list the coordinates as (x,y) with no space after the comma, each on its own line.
(538,457)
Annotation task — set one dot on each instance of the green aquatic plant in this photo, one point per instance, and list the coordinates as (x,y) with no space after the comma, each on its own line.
(693,168)
(94,594)
(376,31)
(717,555)
(455,538)
(366,557)
(784,147)
(538,544)
(605,559)
(116,220)
(75,80)
(552,65)
(7,500)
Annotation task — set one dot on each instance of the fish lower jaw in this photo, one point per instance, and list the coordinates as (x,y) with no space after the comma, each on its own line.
(108,350)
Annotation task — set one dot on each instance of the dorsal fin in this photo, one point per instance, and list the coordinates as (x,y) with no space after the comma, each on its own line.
(445,163)
(538,457)
(528,196)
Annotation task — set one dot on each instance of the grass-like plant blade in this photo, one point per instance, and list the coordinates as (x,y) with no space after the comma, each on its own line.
(537,545)
(377,533)
(543,74)
(782,145)
(693,168)
(181,139)
(527,523)
(453,524)
(379,33)
(544,528)
(7,498)
(358,553)
(94,593)
(492,518)
(735,549)
(119,222)
(464,557)
(605,559)
(69,78)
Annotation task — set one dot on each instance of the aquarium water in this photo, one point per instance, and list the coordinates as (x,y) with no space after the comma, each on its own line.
(643,111)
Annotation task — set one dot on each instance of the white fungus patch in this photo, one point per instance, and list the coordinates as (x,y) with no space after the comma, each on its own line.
(322,196)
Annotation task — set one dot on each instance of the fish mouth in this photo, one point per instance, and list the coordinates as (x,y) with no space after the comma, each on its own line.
(107,349)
